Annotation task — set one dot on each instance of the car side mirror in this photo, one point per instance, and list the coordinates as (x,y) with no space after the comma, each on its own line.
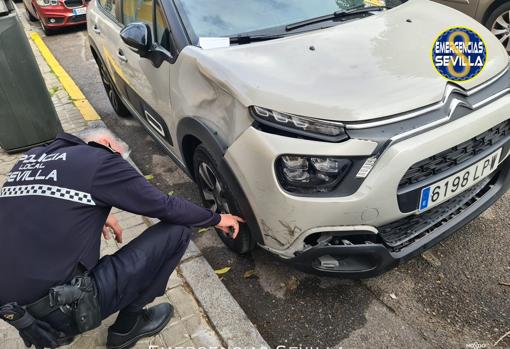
(138,37)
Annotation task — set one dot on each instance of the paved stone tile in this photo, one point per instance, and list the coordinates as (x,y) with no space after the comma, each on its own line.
(152,343)
(5,167)
(132,221)
(121,215)
(205,338)
(13,344)
(131,233)
(174,281)
(184,302)
(9,333)
(83,342)
(108,247)
(175,335)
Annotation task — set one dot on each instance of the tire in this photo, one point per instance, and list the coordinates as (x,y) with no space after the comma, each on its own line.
(499,24)
(117,104)
(204,166)
(30,16)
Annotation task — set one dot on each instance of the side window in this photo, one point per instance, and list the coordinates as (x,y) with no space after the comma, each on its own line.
(110,6)
(162,32)
(137,11)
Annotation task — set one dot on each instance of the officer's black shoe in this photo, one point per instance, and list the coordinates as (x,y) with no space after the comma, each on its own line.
(149,323)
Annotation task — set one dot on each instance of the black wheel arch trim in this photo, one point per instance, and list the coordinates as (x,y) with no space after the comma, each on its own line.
(490,10)
(197,128)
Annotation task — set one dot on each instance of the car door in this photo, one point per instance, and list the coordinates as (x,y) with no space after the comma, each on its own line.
(104,28)
(468,7)
(147,80)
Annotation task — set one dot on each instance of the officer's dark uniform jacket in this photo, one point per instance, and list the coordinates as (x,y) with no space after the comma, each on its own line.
(53,207)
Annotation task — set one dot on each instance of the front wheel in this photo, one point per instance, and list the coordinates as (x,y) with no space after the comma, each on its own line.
(499,24)
(218,197)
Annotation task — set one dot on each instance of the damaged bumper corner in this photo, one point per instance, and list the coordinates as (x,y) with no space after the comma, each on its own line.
(359,255)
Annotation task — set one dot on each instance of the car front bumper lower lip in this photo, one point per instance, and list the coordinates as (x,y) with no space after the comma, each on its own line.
(368,260)
(63,17)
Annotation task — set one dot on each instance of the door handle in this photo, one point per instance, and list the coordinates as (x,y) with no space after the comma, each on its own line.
(120,55)
(96,30)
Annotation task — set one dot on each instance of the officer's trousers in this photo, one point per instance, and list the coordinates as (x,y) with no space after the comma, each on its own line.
(139,272)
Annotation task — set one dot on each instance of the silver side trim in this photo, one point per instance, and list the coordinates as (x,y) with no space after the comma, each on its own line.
(153,132)
(154,123)
(450,88)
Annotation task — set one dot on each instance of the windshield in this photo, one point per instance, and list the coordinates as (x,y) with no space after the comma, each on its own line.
(222,18)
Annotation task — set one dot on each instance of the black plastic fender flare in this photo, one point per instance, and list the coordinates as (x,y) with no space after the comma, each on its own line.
(193,126)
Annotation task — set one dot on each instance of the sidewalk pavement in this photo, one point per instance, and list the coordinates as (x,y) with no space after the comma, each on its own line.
(206,315)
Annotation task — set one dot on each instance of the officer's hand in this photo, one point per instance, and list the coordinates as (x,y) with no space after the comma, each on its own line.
(113,224)
(229,221)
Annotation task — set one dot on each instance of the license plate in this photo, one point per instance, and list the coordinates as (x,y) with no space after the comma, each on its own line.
(447,188)
(79,11)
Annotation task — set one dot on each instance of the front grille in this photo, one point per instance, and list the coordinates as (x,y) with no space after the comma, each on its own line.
(73,3)
(79,18)
(407,230)
(454,156)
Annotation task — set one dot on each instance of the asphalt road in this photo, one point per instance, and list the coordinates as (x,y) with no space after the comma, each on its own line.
(448,298)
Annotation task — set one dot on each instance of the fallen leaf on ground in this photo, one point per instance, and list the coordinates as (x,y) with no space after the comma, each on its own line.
(250,274)
(203,230)
(293,283)
(504,283)
(222,271)
(393,296)
(149,177)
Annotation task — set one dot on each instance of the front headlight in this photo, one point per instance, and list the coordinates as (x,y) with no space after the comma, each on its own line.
(47,2)
(309,127)
(311,174)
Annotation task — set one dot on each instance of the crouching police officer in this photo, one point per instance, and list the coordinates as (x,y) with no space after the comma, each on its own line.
(53,207)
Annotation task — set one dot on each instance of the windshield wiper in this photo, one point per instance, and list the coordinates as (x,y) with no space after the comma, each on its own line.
(246,39)
(337,14)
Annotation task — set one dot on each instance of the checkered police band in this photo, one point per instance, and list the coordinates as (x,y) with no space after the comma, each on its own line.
(48,191)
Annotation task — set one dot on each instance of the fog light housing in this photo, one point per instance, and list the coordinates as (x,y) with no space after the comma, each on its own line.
(311,174)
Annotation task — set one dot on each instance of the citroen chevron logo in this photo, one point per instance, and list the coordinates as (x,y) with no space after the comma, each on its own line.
(453,101)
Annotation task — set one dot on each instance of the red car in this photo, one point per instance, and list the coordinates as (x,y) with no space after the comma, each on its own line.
(55,14)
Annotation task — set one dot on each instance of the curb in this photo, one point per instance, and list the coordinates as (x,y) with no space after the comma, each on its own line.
(226,316)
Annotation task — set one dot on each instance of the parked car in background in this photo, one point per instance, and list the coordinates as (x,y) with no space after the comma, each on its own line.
(322,122)
(494,14)
(56,14)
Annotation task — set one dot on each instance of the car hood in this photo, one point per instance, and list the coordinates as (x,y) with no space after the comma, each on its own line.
(360,70)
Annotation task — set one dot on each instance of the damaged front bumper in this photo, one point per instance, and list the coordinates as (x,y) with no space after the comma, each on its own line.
(364,254)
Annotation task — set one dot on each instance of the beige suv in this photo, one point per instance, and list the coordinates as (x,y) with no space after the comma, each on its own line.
(494,14)
(323,123)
